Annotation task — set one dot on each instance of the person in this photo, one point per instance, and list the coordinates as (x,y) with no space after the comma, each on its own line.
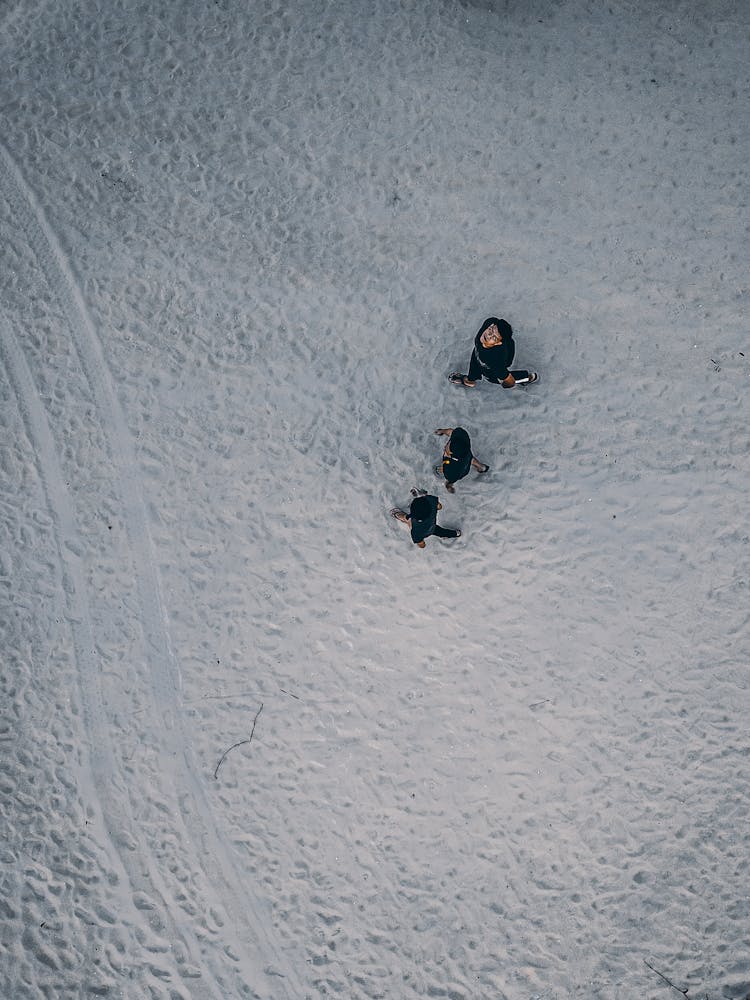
(422,518)
(457,457)
(494,350)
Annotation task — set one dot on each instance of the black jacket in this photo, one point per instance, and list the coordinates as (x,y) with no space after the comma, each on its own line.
(423,515)
(492,363)
(457,464)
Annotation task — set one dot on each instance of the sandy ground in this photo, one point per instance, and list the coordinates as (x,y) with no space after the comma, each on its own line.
(243,245)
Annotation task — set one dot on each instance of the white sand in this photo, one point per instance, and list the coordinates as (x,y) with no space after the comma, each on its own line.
(243,245)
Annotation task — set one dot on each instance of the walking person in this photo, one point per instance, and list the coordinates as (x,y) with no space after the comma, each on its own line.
(457,457)
(494,350)
(422,518)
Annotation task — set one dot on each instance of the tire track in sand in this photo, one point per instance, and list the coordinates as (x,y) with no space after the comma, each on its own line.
(107,790)
(251,938)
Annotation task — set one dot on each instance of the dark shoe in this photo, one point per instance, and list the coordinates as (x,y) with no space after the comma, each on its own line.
(529,380)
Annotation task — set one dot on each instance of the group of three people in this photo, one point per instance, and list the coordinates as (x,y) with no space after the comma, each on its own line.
(491,357)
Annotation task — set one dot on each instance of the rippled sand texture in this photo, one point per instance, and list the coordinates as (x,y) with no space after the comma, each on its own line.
(243,245)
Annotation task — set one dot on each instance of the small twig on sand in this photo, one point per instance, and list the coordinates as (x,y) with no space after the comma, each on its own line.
(234,745)
(668,981)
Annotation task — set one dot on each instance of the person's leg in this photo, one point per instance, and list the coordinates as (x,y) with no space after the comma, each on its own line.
(479,466)
(446,532)
(449,474)
(521,376)
(524,377)
(474,376)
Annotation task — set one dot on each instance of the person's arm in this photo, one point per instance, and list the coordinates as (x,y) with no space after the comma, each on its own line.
(447,457)
(506,351)
(479,466)
(444,431)
(475,370)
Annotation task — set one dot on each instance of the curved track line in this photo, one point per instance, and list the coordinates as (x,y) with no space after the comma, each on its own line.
(60,507)
(108,789)
(215,856)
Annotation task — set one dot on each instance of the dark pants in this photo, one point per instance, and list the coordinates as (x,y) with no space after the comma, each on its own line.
(519,374)
(444,532)
(477,370)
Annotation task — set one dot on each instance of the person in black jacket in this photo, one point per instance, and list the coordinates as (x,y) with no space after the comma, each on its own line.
(457,457)
(422,518)
(494,350)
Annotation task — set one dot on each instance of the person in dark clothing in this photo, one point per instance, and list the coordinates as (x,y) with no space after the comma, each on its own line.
(422,518)
(494,350)
(457,457)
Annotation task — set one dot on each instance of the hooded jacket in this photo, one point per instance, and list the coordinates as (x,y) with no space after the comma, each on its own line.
(493,362)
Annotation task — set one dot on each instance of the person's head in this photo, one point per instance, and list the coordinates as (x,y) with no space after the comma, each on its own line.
(459,443)
(492,336)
